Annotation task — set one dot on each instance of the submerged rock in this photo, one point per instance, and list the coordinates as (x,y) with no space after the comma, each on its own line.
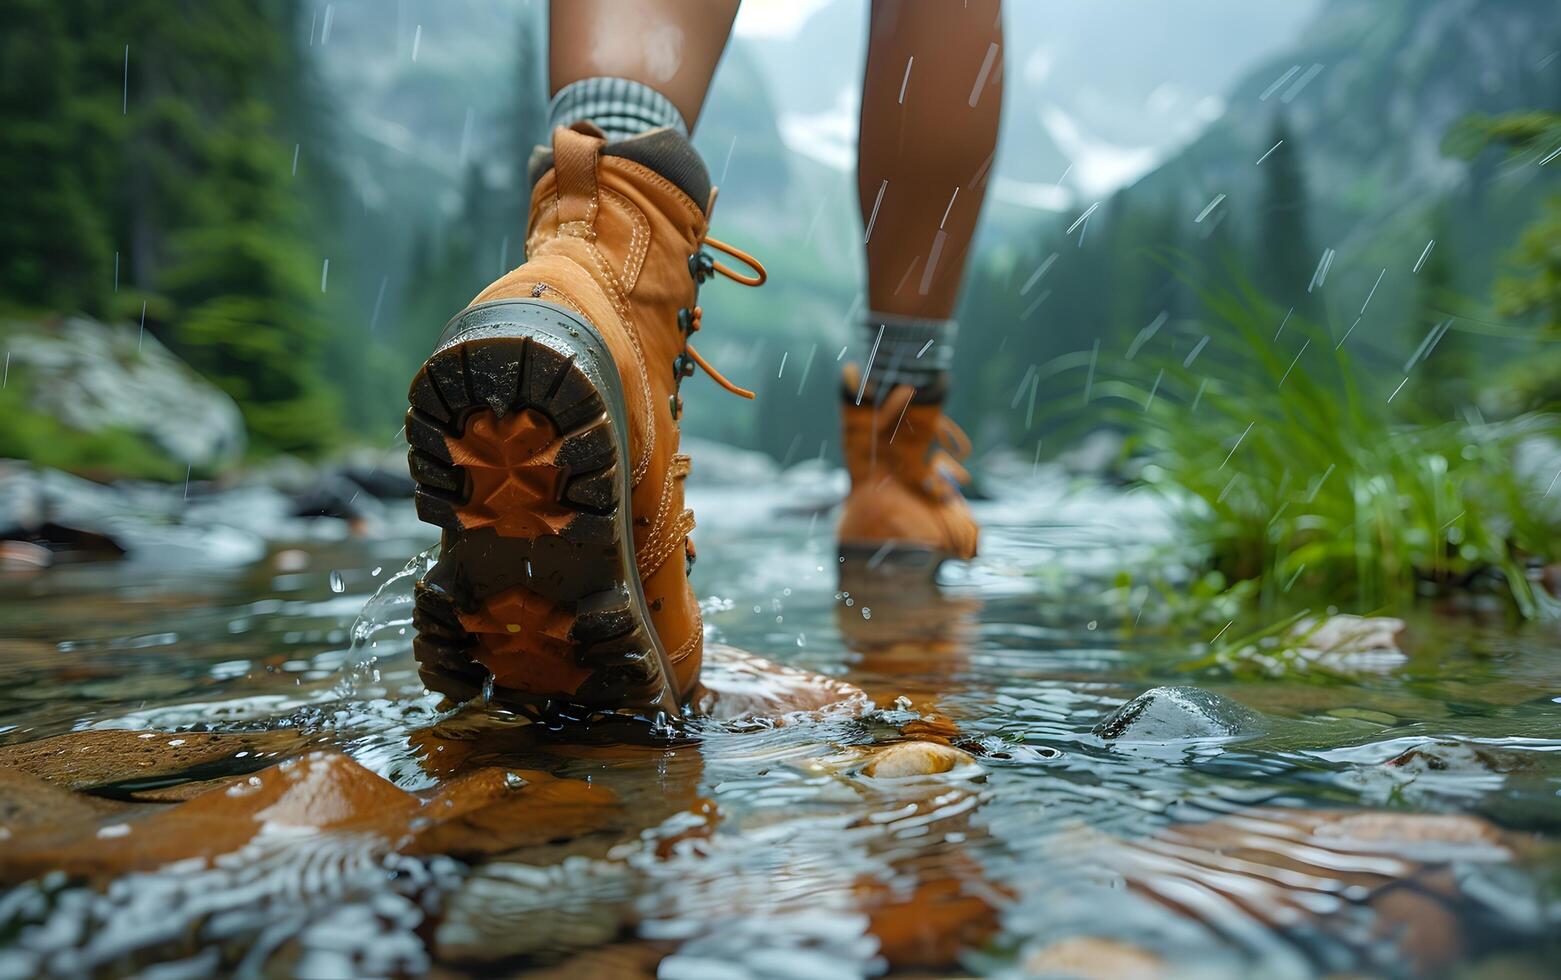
(1175,714)
(739,687)
(1342,644)
(484,811)
(119,763)
(1408,869)
(918,758)
(1094,958)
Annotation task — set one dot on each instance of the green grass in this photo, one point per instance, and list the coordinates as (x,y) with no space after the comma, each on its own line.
(1289,464)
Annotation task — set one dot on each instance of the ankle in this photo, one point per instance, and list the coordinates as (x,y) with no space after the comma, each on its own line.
(907,350)
(619,107)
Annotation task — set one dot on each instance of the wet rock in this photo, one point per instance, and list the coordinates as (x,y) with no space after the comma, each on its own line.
(1347,642)
(718,464)
(1453,755)
(333,495)
(739,687)
(1342,644)
(482,812)
(380,481)
(1348,860)
(624,961)
(493,810)
(905,759)
(320,791)
(1347,633)
(58,511)
(24,556)
(1550,579)
(928,928)
(1176,714)
(1454,773)
(1374,830)
(115,761)
(28,803)
(156,523)
(506,909)
(1097,454)
(97,378)
(1093,958)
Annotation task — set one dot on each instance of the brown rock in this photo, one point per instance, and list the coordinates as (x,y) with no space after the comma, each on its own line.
(737,686)
(1091,958)
(482,812)
(903,759)
(27,803)
(931,926)
(318,791)
(490,811)
(98,758)
(1285,867)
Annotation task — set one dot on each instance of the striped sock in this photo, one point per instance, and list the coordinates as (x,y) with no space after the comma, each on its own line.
(908,350)
(619,107)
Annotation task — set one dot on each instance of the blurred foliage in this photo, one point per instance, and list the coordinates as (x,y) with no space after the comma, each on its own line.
(1530,286)
(146,153)
(1293,471)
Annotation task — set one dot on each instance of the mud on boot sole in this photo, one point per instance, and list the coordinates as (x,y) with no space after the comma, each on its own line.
(518,436)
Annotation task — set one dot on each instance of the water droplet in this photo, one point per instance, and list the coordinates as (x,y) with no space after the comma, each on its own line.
(337,585)
(1092,625)
(515,781)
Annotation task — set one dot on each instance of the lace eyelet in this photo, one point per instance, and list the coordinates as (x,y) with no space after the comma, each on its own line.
(701,266)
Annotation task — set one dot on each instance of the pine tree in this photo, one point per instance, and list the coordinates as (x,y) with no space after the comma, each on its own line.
(150,130)
(56,248)
(1286,256)
(1440,380)
(217,216)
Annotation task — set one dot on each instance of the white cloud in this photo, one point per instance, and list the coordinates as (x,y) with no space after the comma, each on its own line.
(1098,167)
(774,18)
(828,137)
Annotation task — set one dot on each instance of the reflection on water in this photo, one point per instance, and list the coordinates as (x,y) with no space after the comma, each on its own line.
(1399,820)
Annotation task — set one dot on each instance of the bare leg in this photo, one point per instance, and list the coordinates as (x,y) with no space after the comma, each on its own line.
(930,105)
(672,46)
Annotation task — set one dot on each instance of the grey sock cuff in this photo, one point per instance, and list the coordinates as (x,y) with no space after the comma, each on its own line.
(619,107)
(909,350)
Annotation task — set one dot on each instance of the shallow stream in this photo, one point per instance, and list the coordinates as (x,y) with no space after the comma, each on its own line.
(1395,815)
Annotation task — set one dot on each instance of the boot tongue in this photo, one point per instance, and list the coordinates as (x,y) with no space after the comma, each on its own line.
(575,153)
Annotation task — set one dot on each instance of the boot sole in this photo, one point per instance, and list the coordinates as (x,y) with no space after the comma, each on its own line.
(519,444)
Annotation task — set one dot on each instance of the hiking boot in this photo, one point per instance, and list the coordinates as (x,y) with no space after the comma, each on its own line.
(544,441)
(905,506)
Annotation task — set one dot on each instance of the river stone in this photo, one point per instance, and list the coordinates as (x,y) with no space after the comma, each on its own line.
(1174,714)
(1095,958)
(917,758)
(94,377)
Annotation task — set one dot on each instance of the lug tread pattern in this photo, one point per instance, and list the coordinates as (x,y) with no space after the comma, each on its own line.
(578,570)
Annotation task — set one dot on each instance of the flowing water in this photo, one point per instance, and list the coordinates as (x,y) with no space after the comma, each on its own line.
(1392,815)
